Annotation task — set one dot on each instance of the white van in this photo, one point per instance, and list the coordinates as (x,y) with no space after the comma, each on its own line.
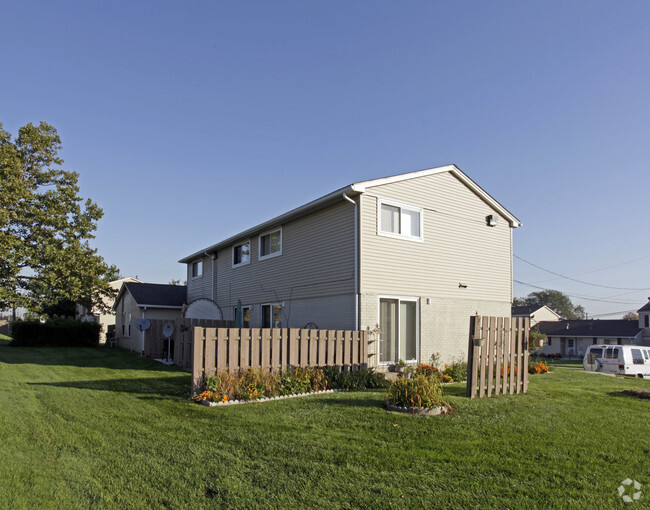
(618,359)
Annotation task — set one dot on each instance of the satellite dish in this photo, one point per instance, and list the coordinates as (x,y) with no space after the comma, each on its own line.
(203,308)
(168,329)
(143,324)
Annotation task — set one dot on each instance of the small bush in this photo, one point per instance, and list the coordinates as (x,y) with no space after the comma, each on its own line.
(456,370)
(537,368)
(346,380)
(55,332)
(418,391)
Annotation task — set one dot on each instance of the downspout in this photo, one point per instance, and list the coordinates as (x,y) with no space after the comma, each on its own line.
(142,333)
(356,260)
(212,283)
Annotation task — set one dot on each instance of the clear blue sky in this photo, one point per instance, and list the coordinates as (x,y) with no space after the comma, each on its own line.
(191,121)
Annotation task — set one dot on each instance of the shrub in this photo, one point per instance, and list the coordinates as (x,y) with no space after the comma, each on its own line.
(346,380)
(56,332)
(456,370)
(419,391)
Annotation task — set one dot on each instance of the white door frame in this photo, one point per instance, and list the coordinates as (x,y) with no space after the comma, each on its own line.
(399,299)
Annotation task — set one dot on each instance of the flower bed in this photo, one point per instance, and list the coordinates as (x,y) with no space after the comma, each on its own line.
(420,394)
(262,385)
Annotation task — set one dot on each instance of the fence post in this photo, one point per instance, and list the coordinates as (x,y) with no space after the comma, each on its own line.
(526,326)
(472,350)
(197,364)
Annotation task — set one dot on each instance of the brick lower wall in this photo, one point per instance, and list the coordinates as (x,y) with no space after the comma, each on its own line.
(444,324)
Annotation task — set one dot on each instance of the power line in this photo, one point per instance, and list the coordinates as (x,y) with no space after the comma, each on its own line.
(579,297)
(612,313)
(578,281)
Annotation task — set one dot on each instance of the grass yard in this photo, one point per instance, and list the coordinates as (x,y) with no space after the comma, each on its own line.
(101,428)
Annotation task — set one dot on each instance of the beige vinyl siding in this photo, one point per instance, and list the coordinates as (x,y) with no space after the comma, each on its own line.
(330,312)
(317,260)
(457,245)
(200,287)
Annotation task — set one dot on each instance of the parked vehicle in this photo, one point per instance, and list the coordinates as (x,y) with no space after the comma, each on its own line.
(618,359)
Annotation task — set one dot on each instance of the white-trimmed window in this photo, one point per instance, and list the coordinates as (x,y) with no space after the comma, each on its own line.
(270,244)
(241,254)
(197,269)
(272,315)
(399,220)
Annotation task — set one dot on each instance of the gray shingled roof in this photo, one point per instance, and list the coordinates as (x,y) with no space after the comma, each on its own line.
(646,307)
(525,310)
(590,328)
(156,294)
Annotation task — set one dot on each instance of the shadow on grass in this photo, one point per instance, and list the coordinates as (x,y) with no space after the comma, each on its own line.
(88,357)
(454,391)
(631,393)
(163,387)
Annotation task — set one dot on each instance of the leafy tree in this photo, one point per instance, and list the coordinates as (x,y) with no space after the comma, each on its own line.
(631,316)
(45,227)
(557,301)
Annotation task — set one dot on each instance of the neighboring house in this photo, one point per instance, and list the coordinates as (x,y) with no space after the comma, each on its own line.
(572,337)
(144,301)
(417,253)
(535,313)
(644,321)
(105,319)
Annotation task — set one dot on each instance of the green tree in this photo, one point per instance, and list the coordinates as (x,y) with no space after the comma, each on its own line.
(631,316)
(557,301)
(45,227)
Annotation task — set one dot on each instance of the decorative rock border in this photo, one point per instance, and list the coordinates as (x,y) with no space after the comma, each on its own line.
(419,411)
(208,403)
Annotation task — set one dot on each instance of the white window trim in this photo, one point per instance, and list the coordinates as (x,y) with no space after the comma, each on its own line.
(417,326)
(280,304)
(259,245)
(232,254)
(401,205)
(191,267)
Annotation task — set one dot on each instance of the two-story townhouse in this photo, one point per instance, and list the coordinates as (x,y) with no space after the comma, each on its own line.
(416,253)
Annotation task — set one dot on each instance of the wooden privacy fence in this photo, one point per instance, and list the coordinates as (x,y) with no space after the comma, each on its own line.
(155,343)
(498,356)
(233,350)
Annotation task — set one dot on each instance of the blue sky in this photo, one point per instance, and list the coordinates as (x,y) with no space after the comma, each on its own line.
(191,121)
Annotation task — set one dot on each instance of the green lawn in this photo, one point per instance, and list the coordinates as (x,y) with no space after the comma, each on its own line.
(101,428)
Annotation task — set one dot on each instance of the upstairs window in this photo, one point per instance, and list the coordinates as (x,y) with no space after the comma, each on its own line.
(271,244)
(400,220)
(197,269)
(241,254)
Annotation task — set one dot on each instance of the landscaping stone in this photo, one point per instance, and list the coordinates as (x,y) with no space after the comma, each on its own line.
(208,403)
(420,411)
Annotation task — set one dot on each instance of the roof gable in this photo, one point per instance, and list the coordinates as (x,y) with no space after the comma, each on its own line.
(348,191)
(645,308)
(154,295)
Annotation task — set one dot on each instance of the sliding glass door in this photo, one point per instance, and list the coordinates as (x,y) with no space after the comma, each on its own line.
(399,326)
